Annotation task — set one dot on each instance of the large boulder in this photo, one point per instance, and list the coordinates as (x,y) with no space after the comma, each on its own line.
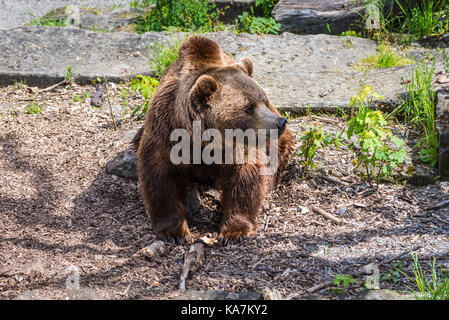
(325,16)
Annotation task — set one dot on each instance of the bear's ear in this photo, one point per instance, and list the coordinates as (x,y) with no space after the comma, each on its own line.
(247,65)
(203,88)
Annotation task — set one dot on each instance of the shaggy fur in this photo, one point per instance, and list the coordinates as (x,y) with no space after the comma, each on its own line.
(204,84)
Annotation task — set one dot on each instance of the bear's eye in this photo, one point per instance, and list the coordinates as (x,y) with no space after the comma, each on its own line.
(250,109)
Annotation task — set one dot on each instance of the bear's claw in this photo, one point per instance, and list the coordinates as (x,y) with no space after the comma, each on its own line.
(174,239)
(231,238)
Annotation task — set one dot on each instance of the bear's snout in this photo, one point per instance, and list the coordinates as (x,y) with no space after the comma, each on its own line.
(281,125)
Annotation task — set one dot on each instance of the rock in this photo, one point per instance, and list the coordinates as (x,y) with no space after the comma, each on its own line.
(82,294)
(98,98)
(232,9)
(219,295)
(313,17)
(421,176)
(442,124)
(326,16)
(39,55)
(386,294)
(123,165)
(16,14)
(271,294)
(29,295)
(298,72)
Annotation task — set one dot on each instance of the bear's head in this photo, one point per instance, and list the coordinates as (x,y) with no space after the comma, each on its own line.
(223,93)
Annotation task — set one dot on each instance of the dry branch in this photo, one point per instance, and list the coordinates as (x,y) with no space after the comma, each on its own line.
(54,86)
(327,215)
(192,261)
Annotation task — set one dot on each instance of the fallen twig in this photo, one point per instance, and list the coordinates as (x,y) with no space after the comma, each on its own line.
(192,261)
(439,205)
(54,86)
(333,180)
(327,215)
(439,219)
(109,102)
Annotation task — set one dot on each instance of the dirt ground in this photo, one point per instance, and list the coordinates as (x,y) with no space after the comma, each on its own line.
(59,209)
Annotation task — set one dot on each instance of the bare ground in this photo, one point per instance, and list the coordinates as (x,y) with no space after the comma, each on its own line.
(58,209)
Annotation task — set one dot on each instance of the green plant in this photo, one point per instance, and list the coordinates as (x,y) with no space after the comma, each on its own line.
(19,85)
(342,281)
(419,109)
(267,6)
(76,98)
(351,33)
(374,143)
(311,141)
(69,75)
(386,57)
(163,55)
(146,85)
(86,95)
(34,108)
(257,25)
(434,288)
(50,19)
(187,15)
(425,18)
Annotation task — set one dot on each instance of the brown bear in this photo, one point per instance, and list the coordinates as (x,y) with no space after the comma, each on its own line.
(206,85)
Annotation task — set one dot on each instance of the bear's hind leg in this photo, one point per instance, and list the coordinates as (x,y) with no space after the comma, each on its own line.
(243,193)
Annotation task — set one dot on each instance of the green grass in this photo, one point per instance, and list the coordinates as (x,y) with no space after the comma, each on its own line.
(163,55)
(423,19)
(50,19)
(34,108)
(419,110)
(386,57)
(433,287)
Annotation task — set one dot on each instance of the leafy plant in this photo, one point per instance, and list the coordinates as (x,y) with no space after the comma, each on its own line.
(313,140)
(267,6)
(435,287)
(257,25)
(419,109)
(373,146)
(163,55)
(146,85)
(342,281)
(187,15)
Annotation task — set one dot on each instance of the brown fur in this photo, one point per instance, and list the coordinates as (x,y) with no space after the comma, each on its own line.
(203,84)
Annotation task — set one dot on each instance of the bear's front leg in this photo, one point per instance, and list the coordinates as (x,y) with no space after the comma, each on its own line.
(164,191)
(243,192)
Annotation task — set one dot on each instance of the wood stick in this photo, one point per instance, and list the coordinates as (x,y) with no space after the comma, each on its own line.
(109,102)
(192,261)
(54,86)
(327,215)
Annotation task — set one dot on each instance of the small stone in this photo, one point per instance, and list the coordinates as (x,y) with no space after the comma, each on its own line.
(341,210)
